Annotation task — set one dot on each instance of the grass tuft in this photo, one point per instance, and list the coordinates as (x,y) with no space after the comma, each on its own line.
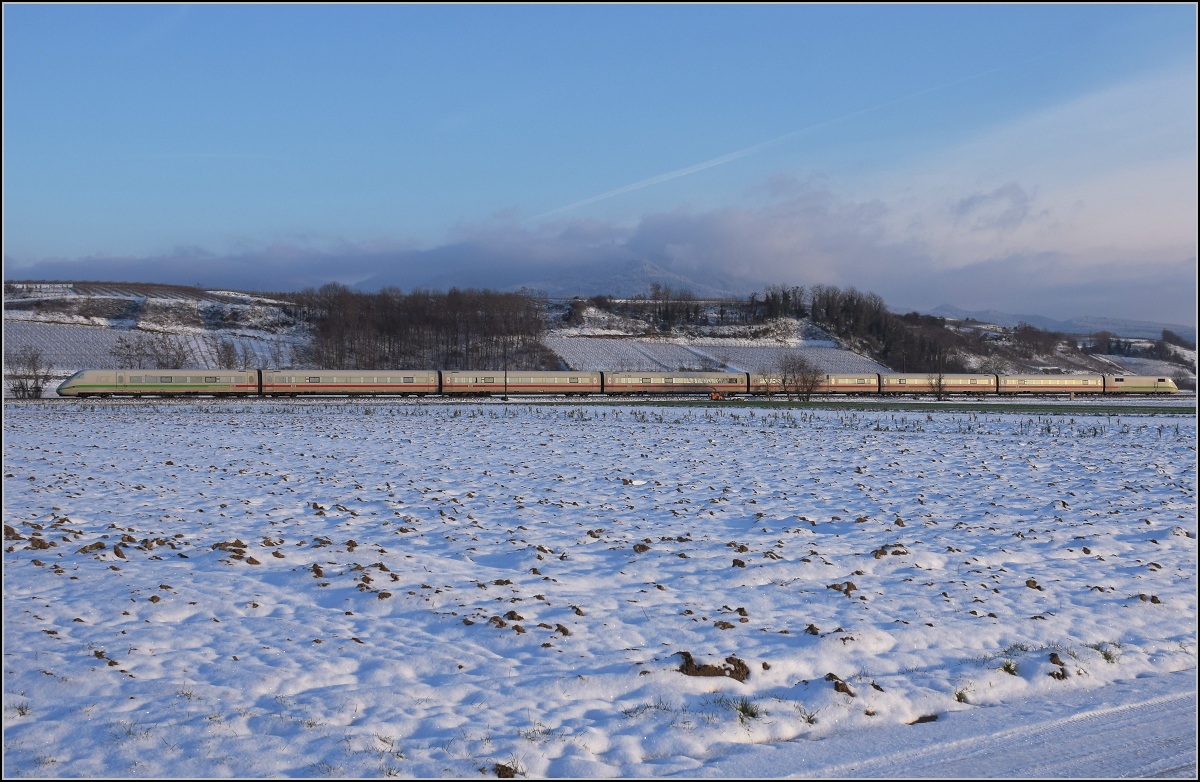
(538,732)
(1109,651)
(747,709)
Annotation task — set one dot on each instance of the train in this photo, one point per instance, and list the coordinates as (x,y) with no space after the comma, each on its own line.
(460,383)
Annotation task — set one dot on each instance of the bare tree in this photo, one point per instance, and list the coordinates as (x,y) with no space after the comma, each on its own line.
(27,373)
(937,375)
(279,354)
(249,358)
(937,383)
(799,375)
(131,353)
(225,353)
(167,352)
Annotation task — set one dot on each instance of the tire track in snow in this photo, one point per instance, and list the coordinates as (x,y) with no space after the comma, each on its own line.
(1136,728)
(1108,742)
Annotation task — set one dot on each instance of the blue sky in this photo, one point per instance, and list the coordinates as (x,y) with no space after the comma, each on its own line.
(1029,158)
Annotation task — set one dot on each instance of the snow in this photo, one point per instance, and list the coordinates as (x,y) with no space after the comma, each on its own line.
(211,646)
(1147,366)
(697,354)
(70,347)
(605,341)
(1141,727)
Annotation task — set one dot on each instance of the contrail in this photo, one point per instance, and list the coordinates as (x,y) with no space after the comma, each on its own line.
(741,153)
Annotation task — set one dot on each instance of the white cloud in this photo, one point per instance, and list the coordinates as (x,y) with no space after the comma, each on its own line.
(1106,177)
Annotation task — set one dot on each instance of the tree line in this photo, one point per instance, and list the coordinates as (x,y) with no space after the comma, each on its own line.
(1106,343)
(457,329)
(667,308)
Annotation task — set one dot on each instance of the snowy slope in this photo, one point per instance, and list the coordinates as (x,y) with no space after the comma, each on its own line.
(662,355)
(71,347)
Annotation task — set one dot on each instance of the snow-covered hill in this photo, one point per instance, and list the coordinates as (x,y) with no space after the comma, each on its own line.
(1122,327)
(78,325)
(82,325)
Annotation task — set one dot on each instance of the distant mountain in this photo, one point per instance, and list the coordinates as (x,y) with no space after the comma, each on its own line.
(628,279)
(621,277)
(1128,329)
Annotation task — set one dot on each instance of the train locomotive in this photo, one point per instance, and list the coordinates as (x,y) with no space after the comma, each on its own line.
(457,383)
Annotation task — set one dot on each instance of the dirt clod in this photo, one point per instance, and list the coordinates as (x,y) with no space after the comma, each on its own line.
(734,668)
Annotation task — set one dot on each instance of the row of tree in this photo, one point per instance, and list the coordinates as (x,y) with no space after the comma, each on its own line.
(458,329)
(908,343)
(667,308)
(1108,344)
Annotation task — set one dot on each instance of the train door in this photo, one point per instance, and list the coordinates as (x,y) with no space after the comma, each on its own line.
(120,381)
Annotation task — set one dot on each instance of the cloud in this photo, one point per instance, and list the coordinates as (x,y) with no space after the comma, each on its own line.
(1087,208)
(1001,211)
(812,236)
(1109,177)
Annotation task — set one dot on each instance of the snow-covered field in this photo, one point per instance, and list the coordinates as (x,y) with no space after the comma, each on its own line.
(346,588)
(698,354)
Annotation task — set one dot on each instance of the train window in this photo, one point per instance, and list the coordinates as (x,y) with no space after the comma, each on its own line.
(1162,380)
(210,379)
(974,381)
(1020,382)
(862,381)
(409,380)
(645,380)
(312,380)
(489,380)
(165,379)
(903,381)
(1120,380)
(573,380)
(667,380)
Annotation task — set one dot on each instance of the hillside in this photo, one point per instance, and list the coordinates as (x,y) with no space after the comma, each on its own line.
(101,325)
(78,325)
(1122,327)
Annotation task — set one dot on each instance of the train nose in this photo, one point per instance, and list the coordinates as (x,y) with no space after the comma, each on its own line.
(66,387)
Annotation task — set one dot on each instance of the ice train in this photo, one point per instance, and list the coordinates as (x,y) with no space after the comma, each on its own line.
(714,384)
